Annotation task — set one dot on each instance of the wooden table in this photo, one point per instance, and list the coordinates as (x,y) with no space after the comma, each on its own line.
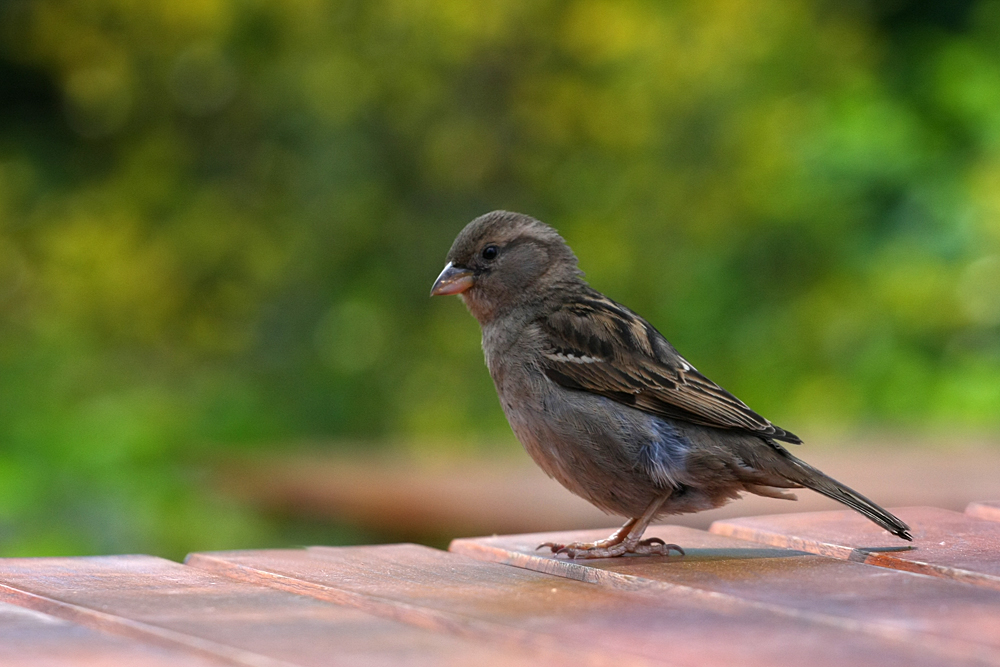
(821,588)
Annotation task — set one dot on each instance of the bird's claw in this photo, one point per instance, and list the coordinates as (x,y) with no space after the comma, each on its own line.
(652,546)
(655,545)
(574,550)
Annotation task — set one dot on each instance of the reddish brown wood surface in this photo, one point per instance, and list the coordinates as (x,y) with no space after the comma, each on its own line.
(498,601)
(945,544)
(495,602)
(895,605)
(33,639)
(989,510)
(167,604)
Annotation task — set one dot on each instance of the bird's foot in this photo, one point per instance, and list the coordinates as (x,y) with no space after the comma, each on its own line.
(610,548)
(599,544)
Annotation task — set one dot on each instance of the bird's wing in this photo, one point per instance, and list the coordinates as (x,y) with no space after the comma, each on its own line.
(594,344)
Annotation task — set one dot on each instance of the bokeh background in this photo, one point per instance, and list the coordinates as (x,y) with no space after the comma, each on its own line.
(220,219)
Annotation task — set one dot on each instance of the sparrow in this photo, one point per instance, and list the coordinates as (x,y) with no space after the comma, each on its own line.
(604,404)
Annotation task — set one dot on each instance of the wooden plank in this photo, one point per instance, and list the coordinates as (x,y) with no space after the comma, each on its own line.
(899,606)
(945,543)
(32,639)
(988,510)
(586,623)
(167,604)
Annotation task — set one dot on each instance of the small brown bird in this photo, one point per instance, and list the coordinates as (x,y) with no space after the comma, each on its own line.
(604,404)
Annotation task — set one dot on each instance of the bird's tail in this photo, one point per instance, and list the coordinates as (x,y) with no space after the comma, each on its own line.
(819,482)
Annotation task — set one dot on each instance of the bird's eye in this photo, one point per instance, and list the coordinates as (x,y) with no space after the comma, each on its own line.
(490,252)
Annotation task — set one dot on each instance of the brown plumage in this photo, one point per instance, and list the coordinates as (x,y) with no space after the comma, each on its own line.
(603,403)
(634,364)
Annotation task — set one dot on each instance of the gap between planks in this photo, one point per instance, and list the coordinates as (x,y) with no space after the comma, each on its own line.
(688,618)
(945,544)
(734,572)
(166,603)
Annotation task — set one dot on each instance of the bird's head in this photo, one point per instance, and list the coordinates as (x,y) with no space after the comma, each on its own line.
(501,259)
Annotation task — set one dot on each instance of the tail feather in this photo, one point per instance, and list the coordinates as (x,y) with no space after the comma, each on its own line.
(821,483)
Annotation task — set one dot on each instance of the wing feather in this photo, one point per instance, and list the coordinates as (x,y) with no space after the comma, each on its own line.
(594,344)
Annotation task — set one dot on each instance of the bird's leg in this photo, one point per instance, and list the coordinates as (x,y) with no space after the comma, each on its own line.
(654,545)
(624,540)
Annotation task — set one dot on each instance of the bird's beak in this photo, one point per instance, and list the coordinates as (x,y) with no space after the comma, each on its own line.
(453,280)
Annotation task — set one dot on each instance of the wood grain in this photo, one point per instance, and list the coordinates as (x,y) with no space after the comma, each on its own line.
(32,639)
(945,544)
(167,604)
(455,594)
(897,606)
(988,510)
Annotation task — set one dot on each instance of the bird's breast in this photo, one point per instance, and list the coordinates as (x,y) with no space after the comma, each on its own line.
(590,445)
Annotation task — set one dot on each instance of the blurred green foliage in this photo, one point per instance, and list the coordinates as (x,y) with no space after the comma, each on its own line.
(219,221)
